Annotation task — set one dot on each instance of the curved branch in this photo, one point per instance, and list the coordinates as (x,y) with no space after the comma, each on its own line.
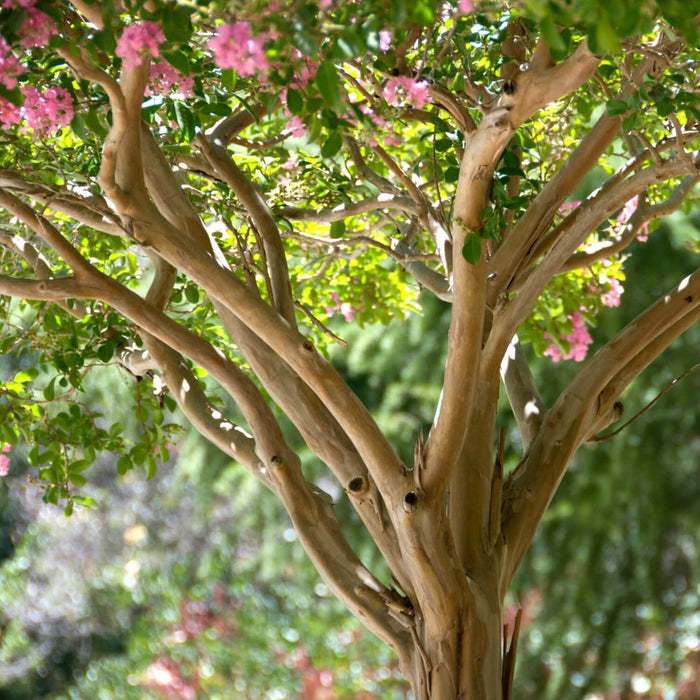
(346,210)
(40,266)
(90,210)
(585,218)
(525,400)
(259,211)
(46,231)
(642,215)
(532,485)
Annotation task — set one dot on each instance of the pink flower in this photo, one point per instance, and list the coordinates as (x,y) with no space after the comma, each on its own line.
(465,7)
(37,29)
(626,214)
(9,114)
(578,340)
(10,67)
(385,40)
(612,297)
(291,162)
(9,4)
(137,41)
(345,309)
(296,127)
(404,88)
(164,79)
(4,460)
(569,205)
(235,47)
(46,111)
(325,4)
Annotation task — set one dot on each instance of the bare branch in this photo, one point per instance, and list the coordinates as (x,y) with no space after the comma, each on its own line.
(642,215)
(582,403)
(528,407)
(595,209)
(346,210)
(90,210)
(258,209)
(640,413)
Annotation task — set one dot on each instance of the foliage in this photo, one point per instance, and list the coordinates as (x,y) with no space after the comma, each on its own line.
(194,193)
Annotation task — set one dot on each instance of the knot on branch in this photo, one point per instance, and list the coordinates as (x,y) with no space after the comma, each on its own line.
(276,461)
(358,485)
(410,502)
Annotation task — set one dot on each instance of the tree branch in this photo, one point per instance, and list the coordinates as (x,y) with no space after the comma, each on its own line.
(525,400)
(346,210)
(259,211)
(532,485)
(595,209)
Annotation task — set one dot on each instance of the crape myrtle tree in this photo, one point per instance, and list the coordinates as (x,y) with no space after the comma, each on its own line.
(202,193)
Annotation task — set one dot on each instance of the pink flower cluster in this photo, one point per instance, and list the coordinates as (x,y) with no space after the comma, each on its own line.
(4,460)
(403,88)
(578,340)
(345,309)
(10,67)
(465,7)
(385,40)
(612,296)
(37,29)
(46,111)
(10,4)
(164,79)
(624,216)
(138,41)
(235,47)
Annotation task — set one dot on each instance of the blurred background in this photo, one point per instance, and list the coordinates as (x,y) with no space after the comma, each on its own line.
(192,584)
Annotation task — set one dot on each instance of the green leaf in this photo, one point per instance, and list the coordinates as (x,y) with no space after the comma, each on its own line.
(151,467)
(616,106)
(471,250)
(192,294)
(77,479)
(337,229)
(105,352)
(228,79)
(49,390)
(124,464)
(178,60)
(176,23)
(329,84)
(295,101)
(332,145)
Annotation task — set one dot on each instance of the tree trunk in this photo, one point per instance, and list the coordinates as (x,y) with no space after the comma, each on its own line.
(461,657)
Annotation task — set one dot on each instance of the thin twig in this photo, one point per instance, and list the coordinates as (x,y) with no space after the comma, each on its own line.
(602,438)
(320,325)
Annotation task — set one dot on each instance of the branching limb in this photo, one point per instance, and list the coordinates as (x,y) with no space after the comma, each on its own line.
(590,396)
(642,215)
(259,211)
(585,218)
(640,413)
(533,90)
(279,469)
(534,223)
(317,426)
(525,400)
(346,210)
(381,183)
(90,210)
(46,231)
(40,265)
